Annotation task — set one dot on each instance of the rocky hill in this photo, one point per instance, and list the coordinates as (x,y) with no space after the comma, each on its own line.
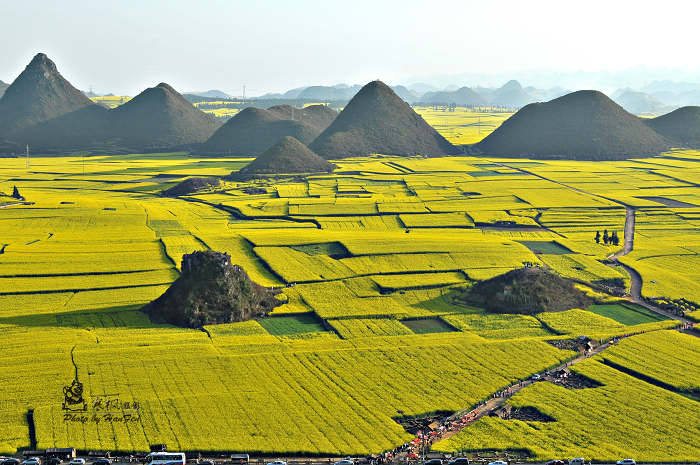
(210,291)
(527,291)
(583,125)
(376,120)
(288,156)
(681,126)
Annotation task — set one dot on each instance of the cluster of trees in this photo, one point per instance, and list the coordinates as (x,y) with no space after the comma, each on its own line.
(607,238)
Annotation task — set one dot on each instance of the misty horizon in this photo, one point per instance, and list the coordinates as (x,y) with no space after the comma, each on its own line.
(274,46)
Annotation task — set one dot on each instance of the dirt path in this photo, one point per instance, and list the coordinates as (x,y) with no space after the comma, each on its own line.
(467,417)
(13,204)
(628,246)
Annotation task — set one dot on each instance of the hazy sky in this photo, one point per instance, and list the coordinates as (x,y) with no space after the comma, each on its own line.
(272,45)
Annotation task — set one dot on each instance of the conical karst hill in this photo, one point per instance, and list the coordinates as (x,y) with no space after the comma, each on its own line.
(527,291)
(583,125)
(3,88)
(254,130)
(681,126)
(377,120)
(39,94)
(288,156)
(159,117)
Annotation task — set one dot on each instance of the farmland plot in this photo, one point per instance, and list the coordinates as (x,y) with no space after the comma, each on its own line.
(373,327)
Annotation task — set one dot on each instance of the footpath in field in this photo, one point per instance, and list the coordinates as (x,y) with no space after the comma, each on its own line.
(455,423)
(465,417)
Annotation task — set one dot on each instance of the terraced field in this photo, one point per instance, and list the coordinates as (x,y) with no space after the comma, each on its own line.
(371,260)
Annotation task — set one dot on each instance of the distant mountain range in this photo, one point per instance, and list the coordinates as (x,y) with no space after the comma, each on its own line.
(3,87)
(212,94)
(510,95)
(655,98)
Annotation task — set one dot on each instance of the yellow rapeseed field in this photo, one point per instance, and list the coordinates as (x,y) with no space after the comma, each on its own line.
(371,260)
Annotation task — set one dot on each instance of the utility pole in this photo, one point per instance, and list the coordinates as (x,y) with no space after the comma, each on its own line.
(244,92)
(27,156)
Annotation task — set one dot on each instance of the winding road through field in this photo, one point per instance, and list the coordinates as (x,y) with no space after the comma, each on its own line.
(636,282)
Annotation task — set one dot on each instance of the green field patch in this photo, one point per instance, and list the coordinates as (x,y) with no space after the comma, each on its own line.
(546,247)
(627,314)
(428,325)
(332,249)
(292,325)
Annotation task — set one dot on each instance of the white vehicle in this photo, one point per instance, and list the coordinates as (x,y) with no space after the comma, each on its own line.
(577,461)
(32,461)
(166,458)
(277,462)
(498,462)
(344,462)
(626,462)
(76,461)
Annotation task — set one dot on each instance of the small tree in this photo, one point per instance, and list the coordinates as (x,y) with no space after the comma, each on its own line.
(606,238)
(16,194)
(597,237)
(615,239)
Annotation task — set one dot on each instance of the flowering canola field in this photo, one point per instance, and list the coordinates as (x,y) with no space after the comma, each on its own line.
(371,261)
